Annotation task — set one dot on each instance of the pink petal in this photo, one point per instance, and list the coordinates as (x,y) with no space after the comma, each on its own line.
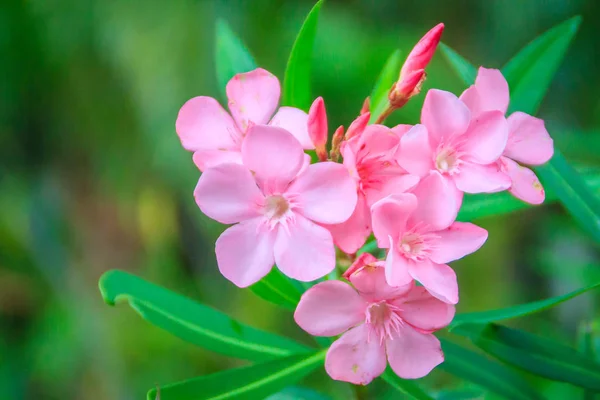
(330,308)
(274,155)
(317,123)
(294,121)
(492,90)
(413,354)
(528,141)
(392,184)
(228,193)
(401,129)
(304,250)
(436,203)
(472,100)
(415,154)
(438,279)
(253,97)
(476,178)
(486,138)
(371,283)
(444,115)
(203,124)
(459,240)
(525,184)
(389,216)
(205,159)
(352,358)
(378,140)
(423,311)
(245,252)
(325,193)
(397,267)
(352,234)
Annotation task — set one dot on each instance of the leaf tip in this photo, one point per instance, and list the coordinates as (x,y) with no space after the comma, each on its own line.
(104,286)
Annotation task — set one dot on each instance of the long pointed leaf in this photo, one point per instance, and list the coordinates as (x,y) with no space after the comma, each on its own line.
(387,77)
(194,322)
(404,386)
(465,70)
(278,289)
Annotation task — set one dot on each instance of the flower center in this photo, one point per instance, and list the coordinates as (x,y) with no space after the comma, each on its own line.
(413,246)
(276,207)
(447,160)
(382,320)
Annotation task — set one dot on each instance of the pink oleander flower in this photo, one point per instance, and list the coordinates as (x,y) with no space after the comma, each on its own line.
(528,140)
(463,148)
(276,202)
(216,137)
(370,156)
(420,232)
(381,324)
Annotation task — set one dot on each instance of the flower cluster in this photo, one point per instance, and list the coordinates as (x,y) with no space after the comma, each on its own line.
(404,185)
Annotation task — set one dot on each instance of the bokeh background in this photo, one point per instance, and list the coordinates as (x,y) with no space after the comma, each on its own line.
(92,175)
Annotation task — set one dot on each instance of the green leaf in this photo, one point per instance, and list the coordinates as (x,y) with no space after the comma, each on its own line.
(278,289)
(520,310)
(404,386)
(194,322)
(298,393)
(252,382)
(534,354)
(487,374)
(585,345)
(465,70)
(387,77)
(296,84)
(531,71)
(231,56)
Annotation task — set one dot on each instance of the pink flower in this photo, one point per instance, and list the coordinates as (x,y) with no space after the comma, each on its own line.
(381,324)
(370,156)
(422,53)
(205,128)
(278,201)
(317,127)
(528,140)
(463,148)
(420,232)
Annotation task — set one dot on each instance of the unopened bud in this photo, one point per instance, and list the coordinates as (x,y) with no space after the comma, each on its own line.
(423,51)
(366,105)
(317,127)
(406,88)
(336,142)
(358,125)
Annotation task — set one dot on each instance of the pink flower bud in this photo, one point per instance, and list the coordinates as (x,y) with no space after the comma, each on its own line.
(336,142)
(423,51)
(406,88)
(317,127)
(358,125)
(366,105)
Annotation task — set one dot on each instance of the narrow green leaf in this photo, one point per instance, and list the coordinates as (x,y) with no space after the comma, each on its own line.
(520,310)
(387,77)
(487,374)
(404,386)
(531,71)
(534,354)
(194,322)
(585,345)
(296,84)
(465,70)
(278,289)
(231,56)
(253,382)
(298,393)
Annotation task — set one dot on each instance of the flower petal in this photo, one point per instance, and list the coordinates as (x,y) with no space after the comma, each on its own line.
(352,234)
(457,241)
(525,184)
(253,97)
(325,193)
(228,193)
(492,92)
(205,159)
(304,251)
(438,279)
(528,140)
(389,216)
(203,124)
(423,311)
(413,354)
(274,155)
(295,121)
(436,203)
(245,252)
(371,283)
(330,308)
(397,267)
(476,178)
(415,154)
(397,182)
(355,359)
(444,115)
(401,129)
(486,138)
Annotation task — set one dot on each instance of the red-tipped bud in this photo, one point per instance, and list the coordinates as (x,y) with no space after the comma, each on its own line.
(366,105)
(336,142)
(408,87)
(423,51)
(358,125)
(317,127)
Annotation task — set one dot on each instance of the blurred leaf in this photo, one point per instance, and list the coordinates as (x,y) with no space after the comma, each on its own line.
(297,393)
(487,374)
(585,345)
(465,70)
(534,354)
(296,84)
(404,386)
(466,394)
(516,311)
(387,77)
(231,57)
(278,289)
(531,71)
(194,322)
(252,382)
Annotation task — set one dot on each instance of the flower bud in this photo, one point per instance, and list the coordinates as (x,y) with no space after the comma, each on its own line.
(358,125)
(336,142)
(406,88)
(317,127)
(423,51)
(366,105)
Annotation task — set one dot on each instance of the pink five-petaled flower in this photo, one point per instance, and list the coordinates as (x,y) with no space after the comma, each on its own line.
(370,156)
(528,140)
(205,128)
(382,322)
(420,232)
(278,201)
(463,149)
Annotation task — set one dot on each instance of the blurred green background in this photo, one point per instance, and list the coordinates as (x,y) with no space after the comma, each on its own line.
(92,175)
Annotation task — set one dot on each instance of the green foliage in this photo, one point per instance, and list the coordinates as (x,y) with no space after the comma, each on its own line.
(278,289)
(404,386)
(465,70)
(387,77)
